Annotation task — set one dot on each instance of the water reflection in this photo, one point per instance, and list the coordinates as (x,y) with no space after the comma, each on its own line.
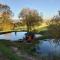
(48,47)
(13,36)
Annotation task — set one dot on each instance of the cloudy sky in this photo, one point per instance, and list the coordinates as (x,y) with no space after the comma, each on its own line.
(48,8)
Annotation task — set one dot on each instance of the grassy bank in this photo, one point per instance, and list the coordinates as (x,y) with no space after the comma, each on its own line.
(6,51)
(23,48)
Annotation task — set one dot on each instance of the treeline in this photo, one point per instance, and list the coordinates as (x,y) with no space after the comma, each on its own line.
(29,18)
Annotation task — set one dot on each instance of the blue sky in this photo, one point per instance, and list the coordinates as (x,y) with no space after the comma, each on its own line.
(47,7)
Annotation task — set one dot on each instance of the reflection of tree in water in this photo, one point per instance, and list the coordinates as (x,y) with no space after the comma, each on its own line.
(56,42)
(56,45)
(53,50)
(15,33)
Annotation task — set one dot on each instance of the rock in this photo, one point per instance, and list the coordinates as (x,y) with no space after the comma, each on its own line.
(38,35)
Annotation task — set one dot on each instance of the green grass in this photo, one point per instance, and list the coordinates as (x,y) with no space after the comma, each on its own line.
(42,28)
(8,52)
(26,47)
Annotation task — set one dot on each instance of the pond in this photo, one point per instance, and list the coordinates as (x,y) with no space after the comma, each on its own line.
(13,36)
(48,47)
(45,47)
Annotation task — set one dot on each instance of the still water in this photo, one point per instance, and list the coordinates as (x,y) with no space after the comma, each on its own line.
(48,47)
(13,36)
(45,47)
